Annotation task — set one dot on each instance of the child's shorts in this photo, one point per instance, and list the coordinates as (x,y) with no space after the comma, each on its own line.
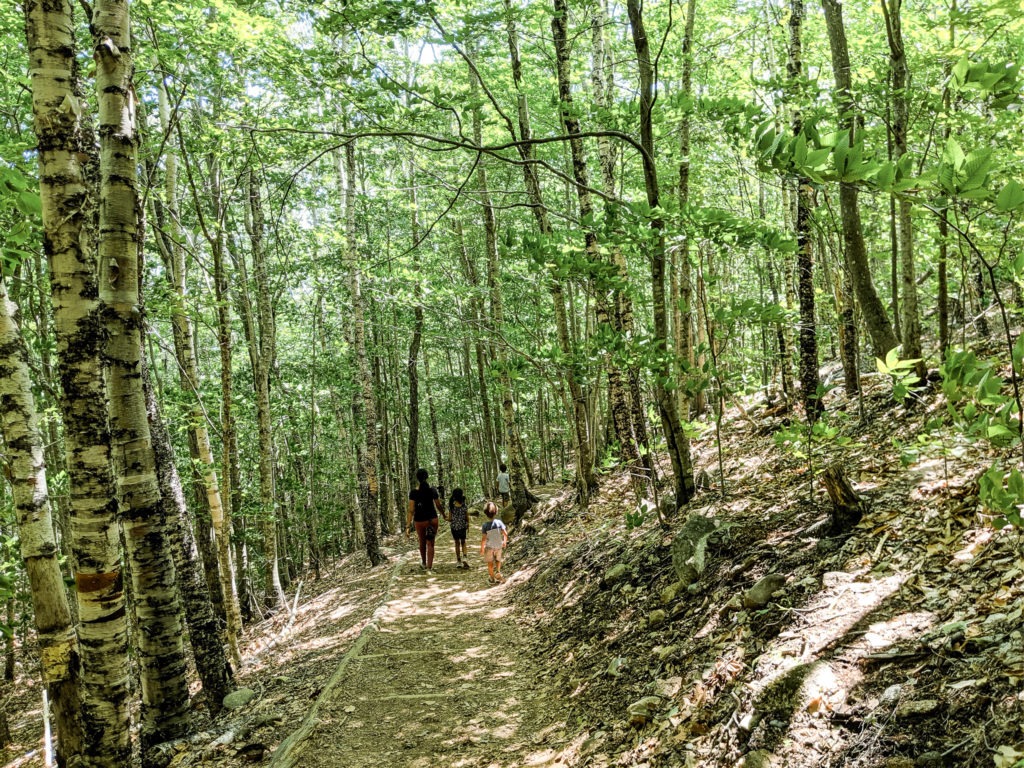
(492,555)
(459,535)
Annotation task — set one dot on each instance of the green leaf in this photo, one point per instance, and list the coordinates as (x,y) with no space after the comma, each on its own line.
(960,70)
(947,177)
(839,153)
(892,359)
(1015,485)
(817,158)
(30,203)
(886,175)
(800,149)
(980,193)
(1018,352)
(1010,197)
(976,167)
(954,154)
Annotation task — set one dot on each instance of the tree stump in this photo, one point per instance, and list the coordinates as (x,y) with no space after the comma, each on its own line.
(847,507)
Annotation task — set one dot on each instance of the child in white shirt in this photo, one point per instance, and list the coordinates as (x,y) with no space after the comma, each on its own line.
(493,543)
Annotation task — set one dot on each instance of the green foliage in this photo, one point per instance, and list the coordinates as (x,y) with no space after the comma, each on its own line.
(801,441)
(997,83)
(965,175)
(1002,493)
(975,399)
(20,211)
(640,514)
(1010,197)
(902,372)
(977,405)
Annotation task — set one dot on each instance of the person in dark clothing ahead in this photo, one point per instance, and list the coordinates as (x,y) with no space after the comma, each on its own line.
(424,507)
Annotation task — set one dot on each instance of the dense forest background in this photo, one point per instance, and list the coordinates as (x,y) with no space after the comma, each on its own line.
(262,261)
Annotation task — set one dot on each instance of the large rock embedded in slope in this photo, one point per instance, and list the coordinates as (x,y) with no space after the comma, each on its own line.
(615,574)
(759,595)
(238,699)
(642,712)
(689,545)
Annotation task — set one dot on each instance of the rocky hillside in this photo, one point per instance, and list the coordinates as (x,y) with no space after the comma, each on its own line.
(773,640)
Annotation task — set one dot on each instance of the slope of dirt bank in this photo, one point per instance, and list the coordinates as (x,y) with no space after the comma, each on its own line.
(899,645)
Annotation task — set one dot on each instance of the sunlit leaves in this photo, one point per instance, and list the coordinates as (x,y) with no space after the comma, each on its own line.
(1010,197)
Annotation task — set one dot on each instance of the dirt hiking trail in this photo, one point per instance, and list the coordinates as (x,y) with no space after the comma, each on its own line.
(440,675)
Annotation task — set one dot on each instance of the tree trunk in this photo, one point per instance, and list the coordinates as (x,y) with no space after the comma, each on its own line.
(677,441)
(261,335)
(236,594)
(496,325)
(943,267)
(364,404)
(204,631)
(412,364)
(603,83)
(215,552)
(586,481)
(911,325)
(477,315)
(438,459)
(19,424)
(879,328)
(67,243)
(165,712)
(391,520)
(943,283)
(618,394)
(848,337)
(781,345)
(682,304)
(807,337)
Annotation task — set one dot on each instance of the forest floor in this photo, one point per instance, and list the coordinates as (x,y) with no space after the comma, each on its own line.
(897,645)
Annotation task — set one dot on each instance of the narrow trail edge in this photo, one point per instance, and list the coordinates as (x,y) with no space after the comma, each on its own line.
(286,755)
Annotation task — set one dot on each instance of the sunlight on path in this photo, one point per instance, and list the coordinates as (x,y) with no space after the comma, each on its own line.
(442,682)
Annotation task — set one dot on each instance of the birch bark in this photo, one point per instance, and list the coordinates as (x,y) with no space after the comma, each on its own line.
(19,424)
(67,243)
(147,548)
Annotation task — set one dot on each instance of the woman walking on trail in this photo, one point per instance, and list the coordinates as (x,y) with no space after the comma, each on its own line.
(458,519)
(424,506)
(493,543)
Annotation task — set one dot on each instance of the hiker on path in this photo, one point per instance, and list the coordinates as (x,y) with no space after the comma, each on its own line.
(458,519)
(504,487)
(493,543)
(424,507)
